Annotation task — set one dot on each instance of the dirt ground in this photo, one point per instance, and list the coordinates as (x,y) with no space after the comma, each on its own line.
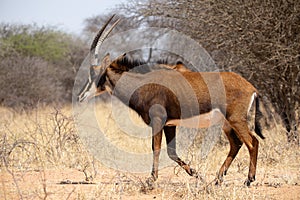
(56,174)
(110,184)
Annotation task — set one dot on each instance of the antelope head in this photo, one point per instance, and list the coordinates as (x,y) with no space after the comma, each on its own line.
(95,85)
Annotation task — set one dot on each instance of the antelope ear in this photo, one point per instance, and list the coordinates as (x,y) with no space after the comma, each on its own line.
(122,56)
(105,61)
(116,63)
(97,69)
(181,67)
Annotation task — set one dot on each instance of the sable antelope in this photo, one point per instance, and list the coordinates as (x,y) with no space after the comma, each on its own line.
(166,98)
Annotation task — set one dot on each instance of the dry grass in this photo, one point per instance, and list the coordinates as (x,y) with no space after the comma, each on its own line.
(40,149)
(44,137)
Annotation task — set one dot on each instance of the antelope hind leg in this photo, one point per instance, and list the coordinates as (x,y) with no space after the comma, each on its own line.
(235,145)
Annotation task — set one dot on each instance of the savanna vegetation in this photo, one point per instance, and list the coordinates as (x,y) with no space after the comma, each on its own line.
(258,39)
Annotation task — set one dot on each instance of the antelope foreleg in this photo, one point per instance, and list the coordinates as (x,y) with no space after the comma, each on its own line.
(157,114)
(156,147)
(170,133)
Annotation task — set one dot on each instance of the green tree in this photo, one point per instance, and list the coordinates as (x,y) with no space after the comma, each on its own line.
(30,40)
(37,64)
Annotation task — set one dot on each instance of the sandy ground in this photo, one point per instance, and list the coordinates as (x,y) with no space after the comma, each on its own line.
(109,184)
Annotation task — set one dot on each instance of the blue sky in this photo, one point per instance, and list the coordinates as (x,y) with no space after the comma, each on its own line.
(67,15)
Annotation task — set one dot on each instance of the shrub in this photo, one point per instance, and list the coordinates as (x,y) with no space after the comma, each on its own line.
(37,64)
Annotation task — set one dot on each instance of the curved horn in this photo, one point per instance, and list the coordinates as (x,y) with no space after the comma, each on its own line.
(93,46)
(98,40)
(102,38)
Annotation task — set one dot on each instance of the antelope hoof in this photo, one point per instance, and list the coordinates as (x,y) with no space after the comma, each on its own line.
(219,181)
(249,181)
(193,173)
(150,183)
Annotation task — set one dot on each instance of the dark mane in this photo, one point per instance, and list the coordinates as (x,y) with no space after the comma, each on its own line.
(163,61)
(128,63)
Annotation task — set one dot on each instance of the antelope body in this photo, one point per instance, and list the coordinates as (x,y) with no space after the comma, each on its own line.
(176,96)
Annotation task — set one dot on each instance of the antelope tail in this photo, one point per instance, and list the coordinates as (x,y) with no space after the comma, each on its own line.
(258,116)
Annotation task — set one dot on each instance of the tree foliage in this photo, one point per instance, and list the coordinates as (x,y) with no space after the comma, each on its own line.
(30,40)
(37,64)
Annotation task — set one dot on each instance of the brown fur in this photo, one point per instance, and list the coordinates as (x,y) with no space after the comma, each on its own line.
(166,92)
(164,97)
